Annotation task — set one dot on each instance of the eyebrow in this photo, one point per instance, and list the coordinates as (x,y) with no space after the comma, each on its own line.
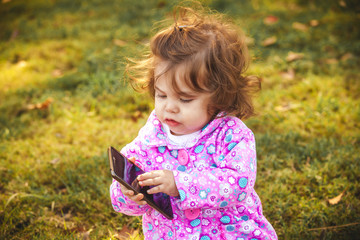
(183,94)
(156,88)
(187,94)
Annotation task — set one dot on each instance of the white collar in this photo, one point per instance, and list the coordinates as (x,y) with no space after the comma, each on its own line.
(182,140)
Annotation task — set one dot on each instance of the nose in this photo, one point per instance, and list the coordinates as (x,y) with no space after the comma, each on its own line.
(171,106)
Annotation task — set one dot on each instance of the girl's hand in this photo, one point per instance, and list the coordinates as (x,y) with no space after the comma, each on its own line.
(163,180)
(130,194)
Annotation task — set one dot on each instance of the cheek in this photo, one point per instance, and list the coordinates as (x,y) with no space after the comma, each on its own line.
(157,103)
(200,112)
(157,108)
(211,111)
(205,107)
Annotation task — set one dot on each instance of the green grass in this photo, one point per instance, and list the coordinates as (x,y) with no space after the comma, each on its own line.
(54,176)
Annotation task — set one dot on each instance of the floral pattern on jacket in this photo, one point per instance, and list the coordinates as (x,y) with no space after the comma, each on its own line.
(216,184)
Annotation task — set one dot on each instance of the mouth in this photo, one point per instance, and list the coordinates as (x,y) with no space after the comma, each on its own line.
(171,122)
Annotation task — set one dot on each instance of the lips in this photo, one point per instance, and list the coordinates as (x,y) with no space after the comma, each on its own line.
(171,122)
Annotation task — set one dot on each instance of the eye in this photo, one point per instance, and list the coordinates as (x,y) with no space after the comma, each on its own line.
(160,96)
(185,100)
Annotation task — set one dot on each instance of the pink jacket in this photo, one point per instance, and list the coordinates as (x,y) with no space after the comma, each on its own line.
(215,176)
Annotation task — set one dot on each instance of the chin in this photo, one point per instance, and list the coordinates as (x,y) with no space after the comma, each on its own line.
(175,133)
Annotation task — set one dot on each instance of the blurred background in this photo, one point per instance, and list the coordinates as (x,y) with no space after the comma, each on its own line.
(63,101)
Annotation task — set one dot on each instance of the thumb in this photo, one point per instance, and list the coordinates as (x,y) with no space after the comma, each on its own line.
(132,159)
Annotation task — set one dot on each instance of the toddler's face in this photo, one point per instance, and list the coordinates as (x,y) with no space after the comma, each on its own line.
(184,113)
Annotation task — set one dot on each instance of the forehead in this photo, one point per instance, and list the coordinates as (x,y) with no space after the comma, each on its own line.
(173,77)
(159,67)
(189,74)
(169,69)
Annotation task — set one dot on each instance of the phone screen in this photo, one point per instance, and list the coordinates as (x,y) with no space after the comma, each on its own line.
(125,169)
(126,172)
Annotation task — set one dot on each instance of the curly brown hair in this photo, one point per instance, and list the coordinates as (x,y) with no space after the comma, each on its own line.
(215,55)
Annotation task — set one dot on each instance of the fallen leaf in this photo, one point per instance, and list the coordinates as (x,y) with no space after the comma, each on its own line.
(292,56)
(57,73)
(331,61)
(289,75)
(67,215)
(86,235)
(346,56)
(249,41)
(269,20)
(124,232)
(55,160)
(336,199)
(286,107)
(342,3)
(43,105)
(119,42)
(136,115)
(300,26)
(314,23)
(21,64)
(269,41)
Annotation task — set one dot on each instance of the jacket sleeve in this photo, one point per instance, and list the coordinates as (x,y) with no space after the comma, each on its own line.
(123,204)
(230,178)
(119,201)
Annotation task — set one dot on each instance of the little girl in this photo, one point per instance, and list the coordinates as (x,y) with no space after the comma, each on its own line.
(194,147)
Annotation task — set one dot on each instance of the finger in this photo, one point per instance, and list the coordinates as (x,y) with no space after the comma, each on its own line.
(148,175)
(134,197)
(128,192)
(139,196)
(149,182)
(141,202)
(124,189)
(132,159)
(154,190)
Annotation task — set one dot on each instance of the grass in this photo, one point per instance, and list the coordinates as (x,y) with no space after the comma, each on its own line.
(54,175)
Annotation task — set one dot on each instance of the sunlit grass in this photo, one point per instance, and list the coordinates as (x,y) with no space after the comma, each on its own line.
(32,64)
(313,105)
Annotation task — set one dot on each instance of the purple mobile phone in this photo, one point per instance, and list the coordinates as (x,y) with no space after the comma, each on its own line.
(125,172)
